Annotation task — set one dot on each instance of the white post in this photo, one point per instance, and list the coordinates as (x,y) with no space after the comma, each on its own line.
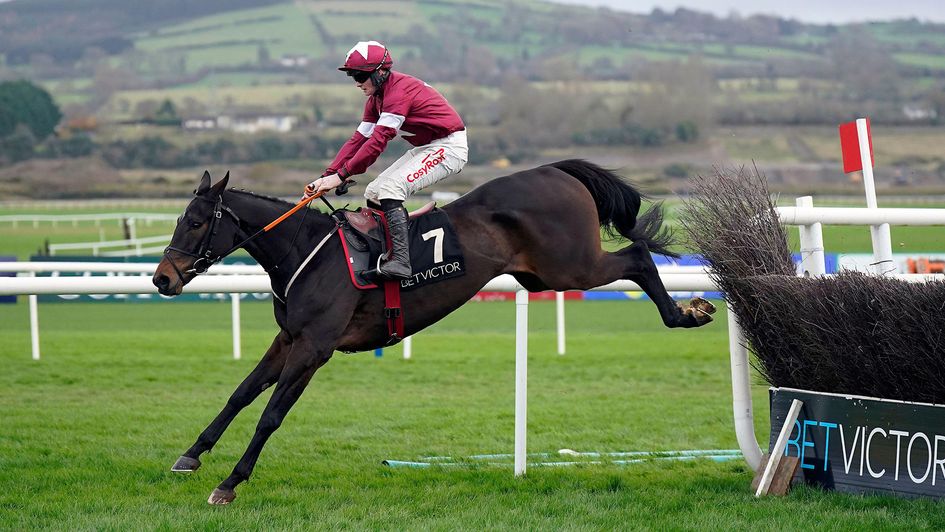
(34,323)
(559,304)
(408,347)
(812,244)
(741,394)
(882,241)
(235,300)
(521,378)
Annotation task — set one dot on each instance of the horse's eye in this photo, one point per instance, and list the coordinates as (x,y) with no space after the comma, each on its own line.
(194,225)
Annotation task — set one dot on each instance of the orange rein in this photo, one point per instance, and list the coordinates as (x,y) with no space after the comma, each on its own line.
(292,211)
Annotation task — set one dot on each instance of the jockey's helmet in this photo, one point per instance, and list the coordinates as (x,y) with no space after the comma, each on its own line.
(367,56)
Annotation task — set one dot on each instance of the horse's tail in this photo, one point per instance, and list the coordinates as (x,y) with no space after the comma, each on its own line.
(618,204)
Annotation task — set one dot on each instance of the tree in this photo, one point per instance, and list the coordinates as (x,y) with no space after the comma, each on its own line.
(866,69)
(166,115)
(18,146)
(262,55)
(21,102)
(678,100)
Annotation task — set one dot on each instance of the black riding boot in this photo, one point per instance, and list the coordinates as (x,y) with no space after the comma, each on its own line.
(397,266)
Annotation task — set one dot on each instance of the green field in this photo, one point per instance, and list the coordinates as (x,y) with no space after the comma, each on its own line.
(234,39)
(932,61)
(90,431)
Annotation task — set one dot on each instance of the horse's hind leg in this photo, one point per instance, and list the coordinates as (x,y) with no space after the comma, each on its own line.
(263,375)
(633,263)
(640,268)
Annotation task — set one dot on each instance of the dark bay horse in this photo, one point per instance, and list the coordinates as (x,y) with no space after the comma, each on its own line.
(542,225)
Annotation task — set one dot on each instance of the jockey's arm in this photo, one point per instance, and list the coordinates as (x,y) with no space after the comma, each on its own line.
(366,153)
(350,147)
(369,151)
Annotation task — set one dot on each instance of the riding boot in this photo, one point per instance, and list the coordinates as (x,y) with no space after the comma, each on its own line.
(397,265)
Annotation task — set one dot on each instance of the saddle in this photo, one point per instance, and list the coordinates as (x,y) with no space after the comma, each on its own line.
(435,255)
(366,241)
(367,221)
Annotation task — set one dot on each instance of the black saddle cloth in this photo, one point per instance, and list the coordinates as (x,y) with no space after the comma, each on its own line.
(434,249)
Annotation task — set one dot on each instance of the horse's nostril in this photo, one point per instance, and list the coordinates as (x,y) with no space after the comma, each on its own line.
(161,281)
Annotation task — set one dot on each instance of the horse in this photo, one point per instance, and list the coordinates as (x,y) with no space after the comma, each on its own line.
(543,226)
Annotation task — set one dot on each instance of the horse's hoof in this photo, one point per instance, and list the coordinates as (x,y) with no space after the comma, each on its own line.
(185,464)
(700,310)
(219,497)
(702,305)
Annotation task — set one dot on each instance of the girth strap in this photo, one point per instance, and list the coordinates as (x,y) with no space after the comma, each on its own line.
(393,312)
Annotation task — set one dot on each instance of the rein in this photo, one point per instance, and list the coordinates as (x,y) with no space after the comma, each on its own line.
(205,251)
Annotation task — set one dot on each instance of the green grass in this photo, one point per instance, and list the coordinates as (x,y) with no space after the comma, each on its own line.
(396,18)
(933,61)
(90,431)
(907,33)
(233,38)
(25,239)
(275,97)
(743,52)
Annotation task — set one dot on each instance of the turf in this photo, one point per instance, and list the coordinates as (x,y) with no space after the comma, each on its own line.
(90,431)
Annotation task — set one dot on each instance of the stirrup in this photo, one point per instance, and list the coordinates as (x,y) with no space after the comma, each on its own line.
(392,276)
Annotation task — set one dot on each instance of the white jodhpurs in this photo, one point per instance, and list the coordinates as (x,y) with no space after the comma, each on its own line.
(419,168)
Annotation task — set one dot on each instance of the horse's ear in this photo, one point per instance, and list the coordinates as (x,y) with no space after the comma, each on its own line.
(204,183)
(220,185)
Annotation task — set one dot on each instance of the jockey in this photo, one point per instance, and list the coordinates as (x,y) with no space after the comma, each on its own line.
(396,104)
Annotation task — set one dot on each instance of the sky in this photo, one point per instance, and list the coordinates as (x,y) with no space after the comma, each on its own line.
(815,11)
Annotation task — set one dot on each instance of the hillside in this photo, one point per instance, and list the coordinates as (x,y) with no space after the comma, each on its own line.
(177,41)
(667,93)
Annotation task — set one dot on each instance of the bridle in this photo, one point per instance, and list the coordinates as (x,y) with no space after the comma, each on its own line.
(204,253)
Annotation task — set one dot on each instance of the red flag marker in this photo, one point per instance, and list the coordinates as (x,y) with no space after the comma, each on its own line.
(850,146)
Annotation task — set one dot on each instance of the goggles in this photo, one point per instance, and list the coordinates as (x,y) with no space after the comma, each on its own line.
(359,76)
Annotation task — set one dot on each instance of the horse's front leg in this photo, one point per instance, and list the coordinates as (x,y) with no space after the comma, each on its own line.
(305,358)
(263,376)
(642,270)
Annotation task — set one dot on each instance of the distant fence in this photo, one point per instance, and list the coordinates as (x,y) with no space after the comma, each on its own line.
(135,247)
(75,219)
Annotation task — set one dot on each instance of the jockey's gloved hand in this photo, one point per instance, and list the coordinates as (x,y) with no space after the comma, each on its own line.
(322,184)
(309,190)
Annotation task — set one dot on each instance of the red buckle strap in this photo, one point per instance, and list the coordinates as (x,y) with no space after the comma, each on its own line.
(392,312)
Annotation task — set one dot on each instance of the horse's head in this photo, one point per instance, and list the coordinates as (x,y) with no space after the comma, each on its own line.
(202,235)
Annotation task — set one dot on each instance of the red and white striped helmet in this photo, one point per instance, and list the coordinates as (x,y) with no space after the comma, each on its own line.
(368,56)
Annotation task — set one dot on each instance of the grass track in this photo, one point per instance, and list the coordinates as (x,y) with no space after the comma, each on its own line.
(90,431)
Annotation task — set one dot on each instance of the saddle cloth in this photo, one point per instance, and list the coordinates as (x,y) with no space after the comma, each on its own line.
(434,249)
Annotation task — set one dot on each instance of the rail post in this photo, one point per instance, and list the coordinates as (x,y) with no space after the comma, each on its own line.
(812,243)
(521,378)
(235,314)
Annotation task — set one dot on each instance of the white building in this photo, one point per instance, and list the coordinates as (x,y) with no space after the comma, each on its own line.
(244,123)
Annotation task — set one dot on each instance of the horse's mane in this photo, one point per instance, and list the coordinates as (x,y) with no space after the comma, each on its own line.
(278,204)
(257,195)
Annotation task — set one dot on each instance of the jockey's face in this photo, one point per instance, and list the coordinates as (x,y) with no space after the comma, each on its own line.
(366,86)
